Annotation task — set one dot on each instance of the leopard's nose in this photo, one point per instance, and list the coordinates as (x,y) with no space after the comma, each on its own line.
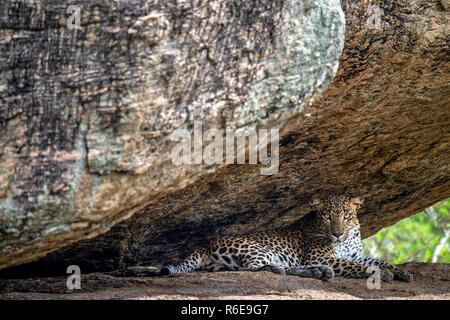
(337,234)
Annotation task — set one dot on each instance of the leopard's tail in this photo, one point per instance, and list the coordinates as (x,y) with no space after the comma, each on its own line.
(191,263)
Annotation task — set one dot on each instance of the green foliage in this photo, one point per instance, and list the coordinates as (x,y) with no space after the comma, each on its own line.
(422,237)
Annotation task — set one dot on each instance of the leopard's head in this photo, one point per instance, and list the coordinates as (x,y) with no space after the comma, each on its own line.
(336,216)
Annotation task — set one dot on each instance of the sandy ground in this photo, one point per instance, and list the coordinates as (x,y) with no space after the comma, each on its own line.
(431,281)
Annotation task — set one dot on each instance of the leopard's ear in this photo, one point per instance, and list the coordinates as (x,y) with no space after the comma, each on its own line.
(356,202)
(315,204)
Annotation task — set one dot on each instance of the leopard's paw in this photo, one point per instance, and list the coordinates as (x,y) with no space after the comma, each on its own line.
(386,275)
(402,275)
(327,273)
(274,269)
(322,272)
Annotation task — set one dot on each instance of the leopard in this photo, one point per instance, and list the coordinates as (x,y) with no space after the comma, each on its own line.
(323,244)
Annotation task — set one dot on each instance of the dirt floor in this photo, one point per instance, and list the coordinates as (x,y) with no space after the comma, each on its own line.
(431,281)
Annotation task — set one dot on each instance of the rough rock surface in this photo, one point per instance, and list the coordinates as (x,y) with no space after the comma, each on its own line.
(87,115)
(381,129)
(431,281)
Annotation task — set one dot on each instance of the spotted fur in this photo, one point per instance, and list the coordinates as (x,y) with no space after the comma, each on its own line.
(325,243)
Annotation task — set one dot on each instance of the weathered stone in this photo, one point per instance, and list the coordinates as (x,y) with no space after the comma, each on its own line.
(380,130)
(431,281)
(87,114)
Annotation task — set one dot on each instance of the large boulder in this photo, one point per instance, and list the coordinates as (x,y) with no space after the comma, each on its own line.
(380,130)
(431,282)
(92,94)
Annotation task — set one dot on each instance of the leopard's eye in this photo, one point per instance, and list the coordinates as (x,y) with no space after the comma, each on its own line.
(327,217)
(347,216)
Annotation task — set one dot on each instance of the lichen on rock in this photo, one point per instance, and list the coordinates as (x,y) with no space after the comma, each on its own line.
(86,113)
